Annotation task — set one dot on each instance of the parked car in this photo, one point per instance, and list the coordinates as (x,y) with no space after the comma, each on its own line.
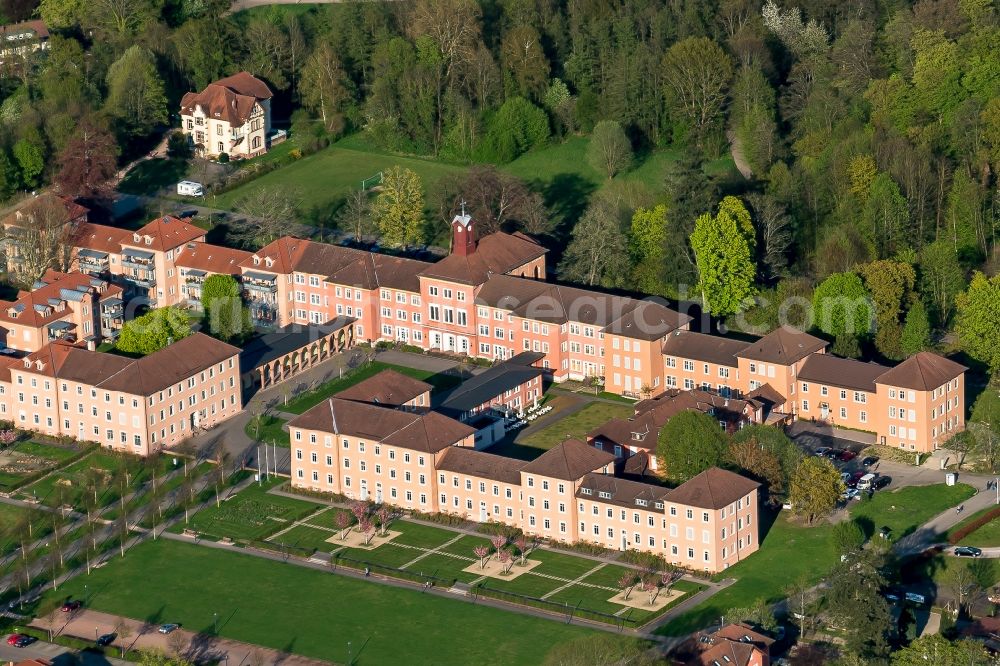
(847,455)
(915,598)
(891,595)
(855,477)
(189,188)
(822,451)
(24,640)
(866,481)
(881,482)
(70,606)
(968,551)
(832,454)
(869,461)
(106,639)
(13,638)
(851,493)
(845,477)
(168,628)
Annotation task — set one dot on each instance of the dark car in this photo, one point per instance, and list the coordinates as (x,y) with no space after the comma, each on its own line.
(968,551)
(869,461)
(881,482)
(70,606)
(13,638)
(106,639)
(24,641)
(853,481)
(847,455)
(832,454)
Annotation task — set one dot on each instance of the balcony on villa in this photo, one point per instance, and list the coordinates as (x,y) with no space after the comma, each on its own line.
(259,284)
(138,259)
(93,262)
(60,330)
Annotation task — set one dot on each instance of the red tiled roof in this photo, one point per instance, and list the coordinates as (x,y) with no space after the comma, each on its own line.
(703,347)
(165,233)
(143,376)
(74,211)
(496,254)
(843,372)
(100,237)
(231,99)
(387,388)
(470,462)
(40,306)
(39,28)
(215,259)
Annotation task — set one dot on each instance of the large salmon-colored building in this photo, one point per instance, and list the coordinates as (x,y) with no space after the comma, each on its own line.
(369,450)
(488,299)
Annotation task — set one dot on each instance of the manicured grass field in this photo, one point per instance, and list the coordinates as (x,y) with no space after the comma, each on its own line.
(269,430)
(309,399)
(250,514)
(904,509)
(310,612)
(576,425)
(987,536)
(323,178)
(793,552)
(67,485)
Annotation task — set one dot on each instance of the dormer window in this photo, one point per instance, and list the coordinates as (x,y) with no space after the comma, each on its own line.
(135,237)
(658,505)
(604,495)
(586,491)
(39,364)
(149,240)
(27,363)
(641,502)
(268,262)
(256,260)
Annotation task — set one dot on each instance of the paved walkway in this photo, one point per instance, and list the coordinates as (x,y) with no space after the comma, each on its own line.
(193,646)
(928,533)
(57,654)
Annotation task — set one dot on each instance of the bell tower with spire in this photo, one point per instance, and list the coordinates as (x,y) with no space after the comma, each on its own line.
(463,234)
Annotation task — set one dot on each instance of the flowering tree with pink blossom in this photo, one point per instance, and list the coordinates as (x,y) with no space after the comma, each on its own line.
(523,546)
(360,510)
(384,516)
(483,553)
(344,522)
(7,437)
(506,560)
(367,528)
(627,583)
(498,541)
(651,586)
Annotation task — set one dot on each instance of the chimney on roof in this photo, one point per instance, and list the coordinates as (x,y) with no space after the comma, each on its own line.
(463,234)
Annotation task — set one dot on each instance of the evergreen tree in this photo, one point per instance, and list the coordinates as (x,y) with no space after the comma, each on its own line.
(916,331)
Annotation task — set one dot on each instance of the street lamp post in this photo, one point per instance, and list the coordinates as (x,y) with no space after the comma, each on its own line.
(215,622)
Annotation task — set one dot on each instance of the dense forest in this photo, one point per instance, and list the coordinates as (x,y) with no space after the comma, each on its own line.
(872,130)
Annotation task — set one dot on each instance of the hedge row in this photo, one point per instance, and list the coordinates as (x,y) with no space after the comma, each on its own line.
(973,525)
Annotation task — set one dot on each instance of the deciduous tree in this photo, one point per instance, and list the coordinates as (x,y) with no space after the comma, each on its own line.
(597,252)
(135,91)
(87,164)
(724,252)
(222,303)
(153,331)
(697,72)
(976,322)
(609,150)
(815,488)
(842,306)
(690,443)
(916,335)
(324,88)
(42,239)
(270,215)
(398,210)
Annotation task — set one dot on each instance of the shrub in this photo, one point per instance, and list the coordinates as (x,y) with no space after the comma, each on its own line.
(223,158)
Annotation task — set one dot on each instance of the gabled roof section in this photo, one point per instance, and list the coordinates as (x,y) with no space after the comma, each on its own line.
(387,388)
(231,99)
(429,432)
(163,234)
(621,492)
(923,371)
(100,237)
(842,372)
(470,462)
(215,259)
(569,461)
(712,489)
(647,320)
(47,301)
(783,346)
(496,254)
(703,347)
(21,216)
(493,382)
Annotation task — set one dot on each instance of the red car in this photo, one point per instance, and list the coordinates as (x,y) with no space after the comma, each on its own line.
(70,606)
(853,481)
(847,455)
(20,640)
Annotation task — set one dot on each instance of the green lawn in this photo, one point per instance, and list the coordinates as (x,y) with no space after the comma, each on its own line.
(250,514)
(52,456)
(311,613)
(576,425)
(269,430)
(323,178)
(309,399)
(904,509)
(67,485)
(987,536)
(792,552)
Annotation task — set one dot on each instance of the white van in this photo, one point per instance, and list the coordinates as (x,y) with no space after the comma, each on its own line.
(189,188)
(865,482)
